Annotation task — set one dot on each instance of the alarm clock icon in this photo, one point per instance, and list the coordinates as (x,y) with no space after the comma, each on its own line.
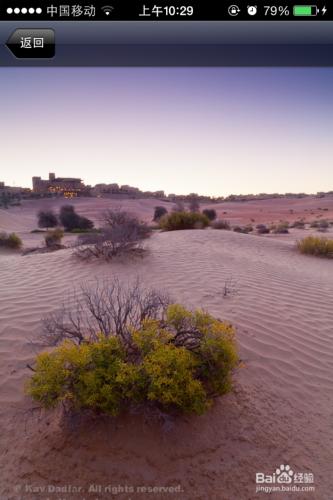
(252,10)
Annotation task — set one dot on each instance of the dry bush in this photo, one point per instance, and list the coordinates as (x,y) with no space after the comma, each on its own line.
(53,238)
(10,241)
(281,228)
(121,234)
(262,229)
(109,308)
(243,229)
(221,224)
(210,213)
(314,245)
(71,220)
(159,212)
(298,224)
(47,219)
(321,224)
(230,287)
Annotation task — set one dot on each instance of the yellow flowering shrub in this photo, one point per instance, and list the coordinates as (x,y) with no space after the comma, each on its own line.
(178,364)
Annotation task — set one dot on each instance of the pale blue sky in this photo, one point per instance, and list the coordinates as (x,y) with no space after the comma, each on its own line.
(214,131)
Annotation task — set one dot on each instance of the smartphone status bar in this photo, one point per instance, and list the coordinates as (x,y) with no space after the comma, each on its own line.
(118,10)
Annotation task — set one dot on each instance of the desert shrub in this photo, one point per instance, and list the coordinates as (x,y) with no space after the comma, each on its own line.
(71,220)
(83,376)
(183,220)
(47,219)
(284,224)
(221,224)
(68,217)
(314,245)
(170,371)
(281,228)
(243,229)
(85,224)
(298,224)
(262,229)
(53,238)
(177,363)
(121,234)
(14,241)
(323,224)
(210,213)
(159,212)
(11,241)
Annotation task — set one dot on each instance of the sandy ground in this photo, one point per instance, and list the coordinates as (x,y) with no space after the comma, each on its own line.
(24,219)
(275,210)
(281,410)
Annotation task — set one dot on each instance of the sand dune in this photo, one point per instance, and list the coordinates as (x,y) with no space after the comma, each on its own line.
(280,411)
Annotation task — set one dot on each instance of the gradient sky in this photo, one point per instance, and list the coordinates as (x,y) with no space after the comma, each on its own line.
(214,131)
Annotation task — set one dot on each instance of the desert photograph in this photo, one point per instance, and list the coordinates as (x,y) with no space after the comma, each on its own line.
(166,266)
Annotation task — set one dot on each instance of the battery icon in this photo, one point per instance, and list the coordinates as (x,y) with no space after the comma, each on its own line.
(305,10)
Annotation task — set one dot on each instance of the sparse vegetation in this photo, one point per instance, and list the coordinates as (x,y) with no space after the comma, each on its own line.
(281,228)
(243,229)
(239,229)
(323,224)
(210,213)
(262,229)
(121,234)
(314,245)
(159,212)
(298,224)
(221,224)
(47,219)
(165,356)
(53,238)
(71,220)
(10,241)
(183,220)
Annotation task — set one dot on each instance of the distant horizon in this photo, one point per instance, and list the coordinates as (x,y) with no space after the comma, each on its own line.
(212,131)
(175,192)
